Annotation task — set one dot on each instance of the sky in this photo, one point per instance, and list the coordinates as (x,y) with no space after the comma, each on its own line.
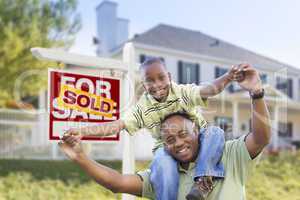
(268,27)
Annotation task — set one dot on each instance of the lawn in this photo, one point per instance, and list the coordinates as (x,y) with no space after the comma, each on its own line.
(276,178)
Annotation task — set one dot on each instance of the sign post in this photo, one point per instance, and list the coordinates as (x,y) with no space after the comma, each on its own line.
(128,166)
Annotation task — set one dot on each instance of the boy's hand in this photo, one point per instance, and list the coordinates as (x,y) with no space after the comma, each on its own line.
(235,74)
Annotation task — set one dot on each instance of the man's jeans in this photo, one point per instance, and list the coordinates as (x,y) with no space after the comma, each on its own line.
(164,175)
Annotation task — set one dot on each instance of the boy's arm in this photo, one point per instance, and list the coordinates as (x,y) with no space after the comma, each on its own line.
(105,176)
(103,129)
(219,84)
(131,121)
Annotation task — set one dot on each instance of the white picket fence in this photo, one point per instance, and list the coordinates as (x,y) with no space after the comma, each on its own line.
(24,135)
(18,130)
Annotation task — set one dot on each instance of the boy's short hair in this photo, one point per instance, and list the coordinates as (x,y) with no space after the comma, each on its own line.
(150,61)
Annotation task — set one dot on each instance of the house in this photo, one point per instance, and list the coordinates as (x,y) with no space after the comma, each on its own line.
(194,57)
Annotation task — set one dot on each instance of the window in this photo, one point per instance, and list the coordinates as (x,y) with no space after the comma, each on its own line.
(225,123)
(188,72)
(285,85)
(219,71)
(143,57)
(285,130)
(263,78)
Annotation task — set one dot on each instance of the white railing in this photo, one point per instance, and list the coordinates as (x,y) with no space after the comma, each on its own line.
(24,135)
(18,115)
(15,129)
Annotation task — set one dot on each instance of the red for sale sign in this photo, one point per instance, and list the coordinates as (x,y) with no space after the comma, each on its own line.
(78,100)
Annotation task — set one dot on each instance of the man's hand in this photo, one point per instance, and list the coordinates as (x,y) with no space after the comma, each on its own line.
(251,80)
(71,146)
(72,134)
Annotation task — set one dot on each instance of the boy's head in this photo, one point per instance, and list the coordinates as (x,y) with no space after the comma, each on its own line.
(155,78)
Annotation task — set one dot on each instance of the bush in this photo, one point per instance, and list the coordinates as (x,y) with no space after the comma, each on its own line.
(276,178)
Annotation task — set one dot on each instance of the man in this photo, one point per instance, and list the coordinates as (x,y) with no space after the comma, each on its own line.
(162,97)
(180,137)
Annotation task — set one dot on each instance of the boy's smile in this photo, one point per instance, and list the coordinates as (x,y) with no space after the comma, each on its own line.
(157,81)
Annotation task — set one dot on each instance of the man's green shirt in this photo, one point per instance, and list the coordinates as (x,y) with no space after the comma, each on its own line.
(237,163)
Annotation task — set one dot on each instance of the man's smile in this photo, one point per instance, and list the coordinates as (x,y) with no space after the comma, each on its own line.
(183,152)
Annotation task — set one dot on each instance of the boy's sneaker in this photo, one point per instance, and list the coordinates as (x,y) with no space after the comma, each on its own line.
(200,189)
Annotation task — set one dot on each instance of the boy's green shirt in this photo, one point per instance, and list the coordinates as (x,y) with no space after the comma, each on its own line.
(148,112)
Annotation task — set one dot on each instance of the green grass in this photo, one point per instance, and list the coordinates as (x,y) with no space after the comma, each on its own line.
(276,178)
(41,180)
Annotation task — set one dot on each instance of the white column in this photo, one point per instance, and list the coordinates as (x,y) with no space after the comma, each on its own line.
(42,100)
(54,150)
(235,119)
(275,127)
(128,166)
(42,131)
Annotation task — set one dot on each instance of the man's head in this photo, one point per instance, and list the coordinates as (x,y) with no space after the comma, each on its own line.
(180,136)
(155,78)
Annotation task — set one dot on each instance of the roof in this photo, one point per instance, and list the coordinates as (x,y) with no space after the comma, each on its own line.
(191,41)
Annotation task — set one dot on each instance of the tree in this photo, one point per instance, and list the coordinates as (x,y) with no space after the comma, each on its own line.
(29,23)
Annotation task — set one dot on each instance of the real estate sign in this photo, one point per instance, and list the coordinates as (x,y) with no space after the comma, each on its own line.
(78,100)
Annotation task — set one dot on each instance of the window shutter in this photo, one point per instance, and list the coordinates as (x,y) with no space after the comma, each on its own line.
(217,72)
(142,58)
(290,129)
(197,73)
(180,71)
(290,87)
(278,83)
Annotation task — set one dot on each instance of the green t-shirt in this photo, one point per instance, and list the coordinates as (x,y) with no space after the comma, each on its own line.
(237,163)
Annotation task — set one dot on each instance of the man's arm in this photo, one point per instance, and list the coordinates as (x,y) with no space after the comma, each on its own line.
(261,130)
(105,176)
(219,84)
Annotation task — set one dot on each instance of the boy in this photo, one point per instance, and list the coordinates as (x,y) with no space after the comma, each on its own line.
(162,97)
